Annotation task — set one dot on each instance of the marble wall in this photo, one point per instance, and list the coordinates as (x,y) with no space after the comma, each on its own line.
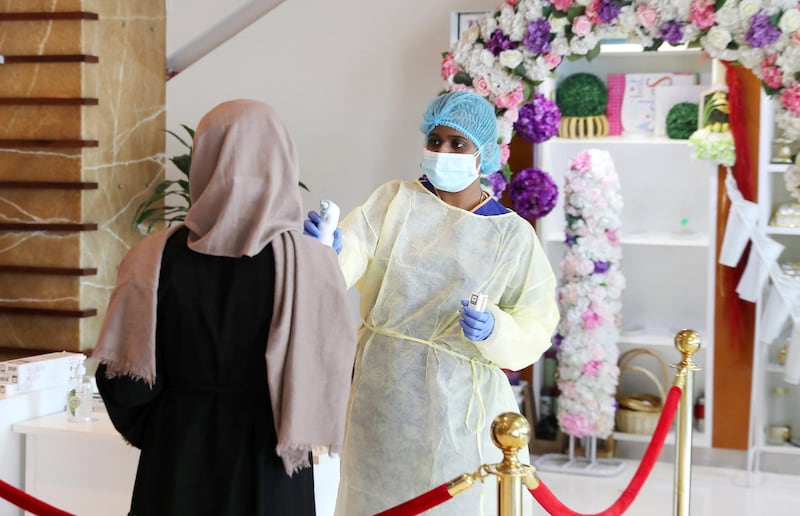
(81,145)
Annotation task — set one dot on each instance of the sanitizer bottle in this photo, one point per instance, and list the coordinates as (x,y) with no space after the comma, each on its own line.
(80,396)
(329,212)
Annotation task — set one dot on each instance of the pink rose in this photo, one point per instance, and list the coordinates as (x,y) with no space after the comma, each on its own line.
(773,77)
(511,100)
(561,5)
(449,67)
(512,3)
(612,236)
(790,99)
(581,26)
(582,162)
(553,60)
(591,367)
(647,17)
(795,41)
(591,319)
(702,14)
(576,425)
(505,152)
(511,115)
(481,86)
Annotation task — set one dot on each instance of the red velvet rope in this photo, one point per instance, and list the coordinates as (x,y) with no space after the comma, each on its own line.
(420,504)
(553,505)
(28,503)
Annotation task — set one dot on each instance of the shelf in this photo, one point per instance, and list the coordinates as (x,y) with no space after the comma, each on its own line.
(774,368)
(54,58)
(619,140)
(777,168)
(54,271)
(48,312)
(775,230)
(651,239)
(787,449)
(697,437)
(48,16)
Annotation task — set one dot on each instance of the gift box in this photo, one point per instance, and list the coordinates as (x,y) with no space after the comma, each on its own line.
(632,100)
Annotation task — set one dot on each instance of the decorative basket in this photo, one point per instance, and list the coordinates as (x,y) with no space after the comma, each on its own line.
(638,413)
(583,126)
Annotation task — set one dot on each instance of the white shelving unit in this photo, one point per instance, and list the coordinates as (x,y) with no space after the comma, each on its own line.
(767,372)
(669,266)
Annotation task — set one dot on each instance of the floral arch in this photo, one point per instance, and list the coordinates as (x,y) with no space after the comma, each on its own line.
(512,50)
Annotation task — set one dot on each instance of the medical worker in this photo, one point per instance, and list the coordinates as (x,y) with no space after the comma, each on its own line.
(428,380)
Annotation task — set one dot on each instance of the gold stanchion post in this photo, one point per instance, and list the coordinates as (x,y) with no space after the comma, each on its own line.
(688,343)
(511,433)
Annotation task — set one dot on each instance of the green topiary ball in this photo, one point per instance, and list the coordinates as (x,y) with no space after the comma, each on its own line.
(682,120)
(582,94)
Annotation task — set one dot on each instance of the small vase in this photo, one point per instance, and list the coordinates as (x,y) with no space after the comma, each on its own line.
(583,126)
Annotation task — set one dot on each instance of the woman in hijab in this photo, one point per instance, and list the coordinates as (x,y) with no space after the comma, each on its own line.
(428,379)
(227,349)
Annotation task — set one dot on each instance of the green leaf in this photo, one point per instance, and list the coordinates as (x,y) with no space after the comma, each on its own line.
(188,130)
(183,163)
(593,52)
(547,10)
(520,70)
(574,57)
(188,146)
(574,11)
(718,5)
(695,44)
(303,186)
(775,18)
(655,46)
(462,78)
(733,45)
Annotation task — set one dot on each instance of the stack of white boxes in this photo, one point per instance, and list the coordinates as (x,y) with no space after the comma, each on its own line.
(38,372)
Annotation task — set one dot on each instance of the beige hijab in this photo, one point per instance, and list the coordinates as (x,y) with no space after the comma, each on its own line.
(243,186)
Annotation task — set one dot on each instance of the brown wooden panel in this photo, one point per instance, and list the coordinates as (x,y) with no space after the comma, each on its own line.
(12,144)
(48,101)
(49,185)
(48,312)
(35,226)
(63,15)
(50,271)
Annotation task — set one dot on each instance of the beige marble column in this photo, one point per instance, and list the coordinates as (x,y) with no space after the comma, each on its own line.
(82,119)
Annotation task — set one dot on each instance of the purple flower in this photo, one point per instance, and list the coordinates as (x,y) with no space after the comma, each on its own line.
(497,181)
(538,120)
(558,339)
(533,193)
(571,240)
(672,32)
(601,267)
(761,32)
(537,37)
(499,42)
(608,10)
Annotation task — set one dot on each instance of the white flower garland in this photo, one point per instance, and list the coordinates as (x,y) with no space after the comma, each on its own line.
(589,296)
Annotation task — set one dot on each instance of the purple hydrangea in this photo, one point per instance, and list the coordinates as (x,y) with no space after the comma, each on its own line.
(761,32)
(571,240)
(672,32)
(538,120)
(500,42)
(608,10)
(533,193)
(601,267)
(537,37)
(557,339)
(497,181)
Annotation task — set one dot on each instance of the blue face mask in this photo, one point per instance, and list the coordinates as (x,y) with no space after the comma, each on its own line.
(448,171)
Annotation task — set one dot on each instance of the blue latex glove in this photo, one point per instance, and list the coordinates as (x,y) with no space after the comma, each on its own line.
(477,325)
(311,228)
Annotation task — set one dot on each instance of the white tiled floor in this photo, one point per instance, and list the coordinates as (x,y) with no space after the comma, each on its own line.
(714,492)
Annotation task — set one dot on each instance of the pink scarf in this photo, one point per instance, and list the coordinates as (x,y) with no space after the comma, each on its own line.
(243,186)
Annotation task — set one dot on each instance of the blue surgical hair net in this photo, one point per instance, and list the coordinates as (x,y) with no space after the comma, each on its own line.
(470,114)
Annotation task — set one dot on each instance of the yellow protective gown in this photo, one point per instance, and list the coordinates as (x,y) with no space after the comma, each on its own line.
(423,395)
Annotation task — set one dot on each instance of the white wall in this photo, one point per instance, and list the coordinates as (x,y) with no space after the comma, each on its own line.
(350,78)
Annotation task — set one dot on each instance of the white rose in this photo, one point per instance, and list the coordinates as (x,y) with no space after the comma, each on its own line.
(790,21)
(748,8)
(557,24)
(718,37)
(510,58)
(470,36)
(584,3)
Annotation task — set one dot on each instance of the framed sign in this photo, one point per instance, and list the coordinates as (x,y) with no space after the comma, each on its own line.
(460,20)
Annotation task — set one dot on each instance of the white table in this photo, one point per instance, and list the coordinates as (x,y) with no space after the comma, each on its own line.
(88,469)
(83,468)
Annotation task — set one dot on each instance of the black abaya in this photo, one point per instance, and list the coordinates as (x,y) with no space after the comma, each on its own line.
(205,429)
